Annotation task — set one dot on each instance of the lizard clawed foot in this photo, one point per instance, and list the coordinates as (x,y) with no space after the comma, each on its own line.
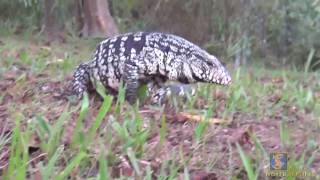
(178,90)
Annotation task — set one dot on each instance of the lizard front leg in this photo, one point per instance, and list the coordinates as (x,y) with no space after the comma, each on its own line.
(175,89)
(131,81)
(155,84)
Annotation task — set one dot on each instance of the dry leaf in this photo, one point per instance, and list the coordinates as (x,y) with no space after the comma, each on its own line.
(199,118)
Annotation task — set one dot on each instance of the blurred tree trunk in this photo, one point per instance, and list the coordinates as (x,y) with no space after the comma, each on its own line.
(77,12)
(92,17)
(227,12)
(51,28)
(97,20)
(286,33)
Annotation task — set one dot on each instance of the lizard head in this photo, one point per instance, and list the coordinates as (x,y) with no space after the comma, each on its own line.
(207,68)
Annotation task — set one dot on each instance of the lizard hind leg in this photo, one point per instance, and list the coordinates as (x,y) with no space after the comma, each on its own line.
(81,80)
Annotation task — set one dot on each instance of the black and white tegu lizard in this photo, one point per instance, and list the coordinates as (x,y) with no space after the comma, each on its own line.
(147,58)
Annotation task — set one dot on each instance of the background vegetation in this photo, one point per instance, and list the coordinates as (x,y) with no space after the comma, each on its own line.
(274,32)
(271,48)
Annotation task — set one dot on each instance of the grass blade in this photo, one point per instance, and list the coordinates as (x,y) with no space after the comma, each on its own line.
(24,140)
(48,171)
(186,174)
(53,142)
(247,164)
(121,131)
(202,126)
(18,153)
(44,125)
(120,99)
(102,113)
(284,134)
(309,60)
(133,161)
(101,90)
(82,114)
(74,163)
(163,133)
(103,168)
(148,173)
(259,145)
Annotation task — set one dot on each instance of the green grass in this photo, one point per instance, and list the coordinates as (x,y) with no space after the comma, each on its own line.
(19,156)
(247,164)
(109,139)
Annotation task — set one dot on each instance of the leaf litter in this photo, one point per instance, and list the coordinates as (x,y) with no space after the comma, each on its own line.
(212,158)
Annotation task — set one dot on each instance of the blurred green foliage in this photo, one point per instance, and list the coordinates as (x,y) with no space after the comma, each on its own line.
(274,32)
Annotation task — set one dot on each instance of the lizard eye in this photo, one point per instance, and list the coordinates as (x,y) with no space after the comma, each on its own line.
(210,63)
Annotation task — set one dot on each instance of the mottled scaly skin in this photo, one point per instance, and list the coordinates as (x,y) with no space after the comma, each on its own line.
(148,58)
